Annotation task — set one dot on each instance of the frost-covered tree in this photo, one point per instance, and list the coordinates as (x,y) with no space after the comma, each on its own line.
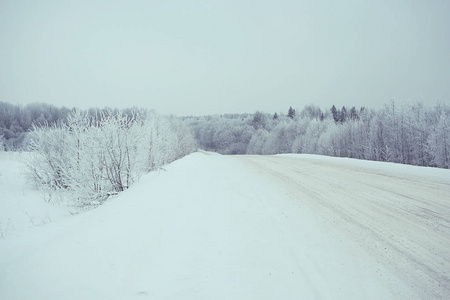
(259,120)
(257,142)
(439,140)
(281,138)
(331,142)
(311,112)
(362,133)
(49,167)
(298,132)
(2,142)
(312,135)
(185,141)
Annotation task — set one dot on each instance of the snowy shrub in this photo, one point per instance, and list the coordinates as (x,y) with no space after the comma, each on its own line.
(95,157)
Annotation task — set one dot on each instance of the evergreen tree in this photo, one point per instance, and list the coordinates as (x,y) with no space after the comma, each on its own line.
(334,112)
(353,114)
(343,115)
(275,116)
(291,112)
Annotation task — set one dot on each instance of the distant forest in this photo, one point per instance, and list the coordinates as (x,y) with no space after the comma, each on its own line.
(16,121)
(400,132)
(407,133)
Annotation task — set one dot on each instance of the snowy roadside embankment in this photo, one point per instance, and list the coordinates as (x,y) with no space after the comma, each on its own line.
(218,227)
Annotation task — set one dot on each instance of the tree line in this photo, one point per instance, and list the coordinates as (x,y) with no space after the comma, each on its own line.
(16,121)
(407,133)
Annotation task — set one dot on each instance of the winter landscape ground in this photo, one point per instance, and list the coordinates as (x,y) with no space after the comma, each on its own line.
(235,227)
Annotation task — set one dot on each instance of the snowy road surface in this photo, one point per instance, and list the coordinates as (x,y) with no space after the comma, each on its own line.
(247,227)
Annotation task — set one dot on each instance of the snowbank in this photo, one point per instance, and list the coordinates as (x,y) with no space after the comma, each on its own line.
(21,206)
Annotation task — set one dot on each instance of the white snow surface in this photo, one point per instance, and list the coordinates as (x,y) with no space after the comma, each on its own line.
(247,227)
(21,206)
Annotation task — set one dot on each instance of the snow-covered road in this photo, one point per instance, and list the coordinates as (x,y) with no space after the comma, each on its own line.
(397,215)
(247,227)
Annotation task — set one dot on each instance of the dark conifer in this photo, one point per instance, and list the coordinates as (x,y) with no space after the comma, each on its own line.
(291,112)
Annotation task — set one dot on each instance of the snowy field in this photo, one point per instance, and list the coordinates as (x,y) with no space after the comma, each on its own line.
(236,227)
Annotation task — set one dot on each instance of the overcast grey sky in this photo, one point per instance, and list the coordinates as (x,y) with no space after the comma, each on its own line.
(202,57)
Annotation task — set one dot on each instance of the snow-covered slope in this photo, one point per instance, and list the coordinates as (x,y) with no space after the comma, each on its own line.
(249,227)
(21,206)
